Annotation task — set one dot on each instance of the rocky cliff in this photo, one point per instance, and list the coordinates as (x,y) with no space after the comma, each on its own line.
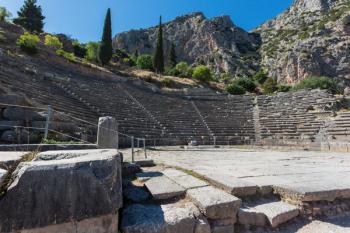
(312,37)
(215,42)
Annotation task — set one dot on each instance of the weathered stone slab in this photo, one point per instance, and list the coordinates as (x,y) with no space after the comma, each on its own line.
(215,203)
(107,134)
(170,218)
(170,172)
(189,182)
(223,229)
(145,176)
(232,185)
(8,158)
(84,177)
(278,212)
(249,216)
(163,188)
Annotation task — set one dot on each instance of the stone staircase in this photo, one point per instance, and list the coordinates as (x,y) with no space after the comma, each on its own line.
(160,199)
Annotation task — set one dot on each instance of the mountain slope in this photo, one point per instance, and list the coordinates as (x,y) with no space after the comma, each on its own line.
(215,42)
(311,38)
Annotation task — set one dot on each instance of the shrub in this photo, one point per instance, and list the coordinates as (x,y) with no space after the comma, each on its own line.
(283,88)
(270,86)
(66,55)
(313,82)
(79,49)
(235,89)
(184,69)
(260,77)
(128,61)
(91,51)
(202,73)
(145,62)
(246,83)
(172,71)
(53,42)
(28,43)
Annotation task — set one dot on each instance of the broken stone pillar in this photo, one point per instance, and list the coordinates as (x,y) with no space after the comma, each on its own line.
(107,134)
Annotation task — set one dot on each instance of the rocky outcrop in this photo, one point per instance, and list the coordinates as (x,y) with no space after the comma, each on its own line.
(311,38)
(215,42)
(64,191)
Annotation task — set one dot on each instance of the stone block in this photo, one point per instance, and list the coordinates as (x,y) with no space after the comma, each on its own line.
(7,159)
(170,218)
(251,217)
(163,188)
(189,182)
(107,135)
(145,163)
(223,229)
(214,203)
(235,186)
(84,177)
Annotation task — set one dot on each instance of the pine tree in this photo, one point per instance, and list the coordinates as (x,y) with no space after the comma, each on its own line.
(30,17)
(172,56)
(158,59)
(105,50)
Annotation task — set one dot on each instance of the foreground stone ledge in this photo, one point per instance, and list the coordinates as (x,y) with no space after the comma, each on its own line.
(7,159)
(64,187)
(181,217)
(215,203)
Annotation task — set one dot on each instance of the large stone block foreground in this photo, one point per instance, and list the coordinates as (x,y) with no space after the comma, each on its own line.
(64,191)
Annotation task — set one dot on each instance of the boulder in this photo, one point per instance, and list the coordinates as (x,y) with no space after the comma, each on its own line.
(69,187)
(20,114)
(170,218)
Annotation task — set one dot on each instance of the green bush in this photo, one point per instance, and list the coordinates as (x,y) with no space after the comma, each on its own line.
(53,42)
(172,71)
(66,55)
(260,77)
(313,82)
(202,73)
(28,43)
(246,83)
(92,51)
(184,69)
(128,62)
(145,62)
(235,89)
(270,86)
(79,49)
(283,88)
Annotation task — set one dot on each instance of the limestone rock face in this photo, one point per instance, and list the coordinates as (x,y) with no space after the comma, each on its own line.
(312,37)
(215,42)
(69,187)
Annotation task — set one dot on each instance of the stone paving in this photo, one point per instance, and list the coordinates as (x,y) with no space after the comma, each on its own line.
(308,176)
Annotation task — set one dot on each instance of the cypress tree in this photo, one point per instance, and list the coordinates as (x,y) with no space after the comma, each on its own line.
(30,17)
(158,59)
(105,50)
(136,54)
(172,56)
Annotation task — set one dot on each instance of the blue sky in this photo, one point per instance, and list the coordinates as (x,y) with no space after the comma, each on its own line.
(83,19)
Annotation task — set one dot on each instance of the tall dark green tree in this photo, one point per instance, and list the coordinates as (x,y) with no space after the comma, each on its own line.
(172,56)
(30,17)
(105,50)
(158,59)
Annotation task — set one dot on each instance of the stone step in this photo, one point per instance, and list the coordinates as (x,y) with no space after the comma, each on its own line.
(162,188)
(179,217)
(184,180)
(215,203)
(272,213)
